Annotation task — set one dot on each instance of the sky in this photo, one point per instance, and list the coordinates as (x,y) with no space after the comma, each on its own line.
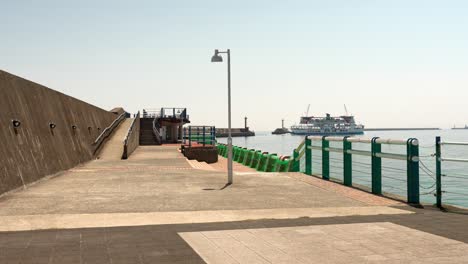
(393,63)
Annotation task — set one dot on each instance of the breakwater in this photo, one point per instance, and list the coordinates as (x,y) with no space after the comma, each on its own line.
(235,132)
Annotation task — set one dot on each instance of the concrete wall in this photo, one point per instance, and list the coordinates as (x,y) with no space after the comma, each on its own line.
(34,150)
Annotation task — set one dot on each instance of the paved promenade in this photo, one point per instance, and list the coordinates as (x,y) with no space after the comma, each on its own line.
(156,207)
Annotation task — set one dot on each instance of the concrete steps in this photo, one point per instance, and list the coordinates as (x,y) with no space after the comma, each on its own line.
(147,137)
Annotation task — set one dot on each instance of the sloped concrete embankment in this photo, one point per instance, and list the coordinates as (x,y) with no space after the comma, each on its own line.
(114,147)
(55,131)
(132,140)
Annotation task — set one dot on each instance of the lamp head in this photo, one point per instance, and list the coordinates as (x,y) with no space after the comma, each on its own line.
(216,57)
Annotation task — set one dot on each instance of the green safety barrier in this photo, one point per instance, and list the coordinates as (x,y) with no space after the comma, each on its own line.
(239,153)
(263,162)
(242,155)
(248,157)
(236,153)
(223,151)
(226,151)
(255,159)
(284,165)
(271,163)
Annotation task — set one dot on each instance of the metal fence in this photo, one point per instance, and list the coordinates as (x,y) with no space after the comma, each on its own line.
(204,135)
(456,178)
(355,160)
(166,112)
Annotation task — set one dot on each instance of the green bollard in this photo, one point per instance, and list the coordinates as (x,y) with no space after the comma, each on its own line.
(376,167)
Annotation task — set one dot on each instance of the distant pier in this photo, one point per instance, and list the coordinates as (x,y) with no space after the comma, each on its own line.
(236,132)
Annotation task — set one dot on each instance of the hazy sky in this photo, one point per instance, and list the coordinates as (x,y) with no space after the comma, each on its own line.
(395,63)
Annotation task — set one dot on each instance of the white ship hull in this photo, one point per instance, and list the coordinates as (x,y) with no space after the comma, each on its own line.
(314,132)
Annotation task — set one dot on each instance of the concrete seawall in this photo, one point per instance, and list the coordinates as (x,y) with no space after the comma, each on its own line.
(55,132)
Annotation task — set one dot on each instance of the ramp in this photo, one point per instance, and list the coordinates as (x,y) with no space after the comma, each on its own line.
(113,148)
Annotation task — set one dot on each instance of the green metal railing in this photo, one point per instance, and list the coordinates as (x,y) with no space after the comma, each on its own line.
(258,160)
(204,135)
(375,154)
(439,161)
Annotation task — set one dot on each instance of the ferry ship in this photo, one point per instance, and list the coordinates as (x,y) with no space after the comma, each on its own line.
(328,125)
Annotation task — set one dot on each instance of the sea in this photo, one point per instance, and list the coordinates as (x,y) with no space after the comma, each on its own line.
(454,174)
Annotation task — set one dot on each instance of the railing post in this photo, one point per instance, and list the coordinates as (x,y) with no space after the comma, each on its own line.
(347,163)
(438,174)
(325,159)
(203,135)
(413,171)
(308,156)
(376,167)
(190,136)
(296,165)
(213,135)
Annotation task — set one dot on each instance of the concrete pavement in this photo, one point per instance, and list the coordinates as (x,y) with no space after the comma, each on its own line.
(157,208)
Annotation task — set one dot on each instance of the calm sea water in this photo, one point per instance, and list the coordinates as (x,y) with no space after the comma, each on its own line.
(454,184)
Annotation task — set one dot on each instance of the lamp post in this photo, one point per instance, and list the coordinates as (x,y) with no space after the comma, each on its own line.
(217,58)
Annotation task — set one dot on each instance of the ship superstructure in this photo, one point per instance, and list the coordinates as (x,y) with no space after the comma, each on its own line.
(327,125)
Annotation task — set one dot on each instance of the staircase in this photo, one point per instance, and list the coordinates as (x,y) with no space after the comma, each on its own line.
(147,136)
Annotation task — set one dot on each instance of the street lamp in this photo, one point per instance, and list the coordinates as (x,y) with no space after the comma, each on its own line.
(217,58)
